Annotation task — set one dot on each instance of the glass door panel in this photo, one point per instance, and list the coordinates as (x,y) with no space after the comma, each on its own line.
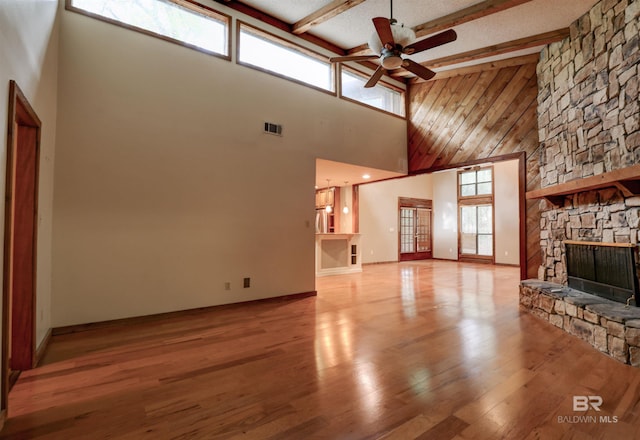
(407,230)
(423,230)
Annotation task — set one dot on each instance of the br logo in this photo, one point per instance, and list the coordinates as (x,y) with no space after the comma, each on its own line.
(582,403)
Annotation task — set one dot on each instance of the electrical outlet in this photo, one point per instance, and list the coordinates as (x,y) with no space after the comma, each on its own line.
(227,286)
(247,282)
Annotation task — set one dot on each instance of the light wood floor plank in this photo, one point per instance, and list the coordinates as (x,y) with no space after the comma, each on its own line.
(428,349)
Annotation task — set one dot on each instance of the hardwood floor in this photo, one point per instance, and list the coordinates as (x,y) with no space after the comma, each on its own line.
(425,350)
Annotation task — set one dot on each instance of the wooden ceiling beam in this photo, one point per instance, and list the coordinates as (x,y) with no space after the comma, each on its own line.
(465,15)
(476,68)
(489,51)
(323,14)
(279,24)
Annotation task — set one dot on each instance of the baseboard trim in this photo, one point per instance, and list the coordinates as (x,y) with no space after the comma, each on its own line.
(57,331)
(42,349)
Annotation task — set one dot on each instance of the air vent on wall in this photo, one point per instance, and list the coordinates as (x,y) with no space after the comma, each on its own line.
(272,128)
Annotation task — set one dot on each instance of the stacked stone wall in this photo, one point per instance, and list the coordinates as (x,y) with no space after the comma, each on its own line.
(589,124)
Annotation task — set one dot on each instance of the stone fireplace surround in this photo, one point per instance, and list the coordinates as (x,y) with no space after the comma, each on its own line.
(589,125)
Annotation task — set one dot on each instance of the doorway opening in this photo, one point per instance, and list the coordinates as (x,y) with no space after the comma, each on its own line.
(415,218)
(20,240)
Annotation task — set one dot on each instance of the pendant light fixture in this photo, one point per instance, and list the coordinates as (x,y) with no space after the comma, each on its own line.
(345,209)
(328,208)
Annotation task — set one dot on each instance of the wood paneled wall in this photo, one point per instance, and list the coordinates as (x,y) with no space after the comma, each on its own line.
(467,118)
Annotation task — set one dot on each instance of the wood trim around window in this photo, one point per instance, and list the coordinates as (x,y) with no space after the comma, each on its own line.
(186,4)
(260,33)
(475,200)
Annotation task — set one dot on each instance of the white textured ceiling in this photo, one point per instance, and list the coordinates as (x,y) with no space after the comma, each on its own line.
(343,174)
(353,27)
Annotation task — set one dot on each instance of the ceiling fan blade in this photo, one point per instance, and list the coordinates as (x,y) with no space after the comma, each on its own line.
(375,77)
(383,28)
(352,58)
(418,69)
(431,42)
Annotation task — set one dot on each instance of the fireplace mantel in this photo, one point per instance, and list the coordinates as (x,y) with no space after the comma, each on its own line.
(598,243)
(627,180)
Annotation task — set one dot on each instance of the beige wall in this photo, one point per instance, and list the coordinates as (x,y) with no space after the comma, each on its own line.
(378,205)
(28,55)
(379,214)
(166,187)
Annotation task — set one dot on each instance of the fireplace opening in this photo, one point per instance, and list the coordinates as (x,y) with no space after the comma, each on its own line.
(604,269)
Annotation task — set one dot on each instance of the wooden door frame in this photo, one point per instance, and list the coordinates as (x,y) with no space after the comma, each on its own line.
(410,202)
(22,116)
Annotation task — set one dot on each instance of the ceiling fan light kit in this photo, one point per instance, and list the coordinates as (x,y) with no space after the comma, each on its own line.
(402,36)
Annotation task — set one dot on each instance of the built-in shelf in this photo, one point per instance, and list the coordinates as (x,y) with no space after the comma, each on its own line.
(627,180)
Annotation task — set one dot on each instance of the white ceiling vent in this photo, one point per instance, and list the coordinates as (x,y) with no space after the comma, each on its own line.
(272,128)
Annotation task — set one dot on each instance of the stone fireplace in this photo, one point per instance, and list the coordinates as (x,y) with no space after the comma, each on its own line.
(589,130)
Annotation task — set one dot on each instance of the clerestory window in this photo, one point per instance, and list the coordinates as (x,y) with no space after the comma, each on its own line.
(382,96)
(271,54)
(177,21)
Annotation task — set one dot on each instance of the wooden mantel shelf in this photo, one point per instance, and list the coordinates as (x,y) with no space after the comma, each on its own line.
(627,180)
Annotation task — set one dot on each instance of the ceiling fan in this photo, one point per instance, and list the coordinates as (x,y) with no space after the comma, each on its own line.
(391,41)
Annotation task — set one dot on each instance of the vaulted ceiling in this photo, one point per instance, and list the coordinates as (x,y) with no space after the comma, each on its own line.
(489,31)
(490,34)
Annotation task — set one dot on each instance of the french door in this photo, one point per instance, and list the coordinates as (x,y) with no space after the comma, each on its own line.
(415,229)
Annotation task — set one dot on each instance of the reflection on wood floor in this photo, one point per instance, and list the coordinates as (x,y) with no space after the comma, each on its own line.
(429,350)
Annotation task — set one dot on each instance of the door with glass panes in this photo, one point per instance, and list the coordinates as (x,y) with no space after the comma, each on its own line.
(414,229)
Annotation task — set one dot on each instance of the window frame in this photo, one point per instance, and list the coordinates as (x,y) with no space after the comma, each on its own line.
(277,40)
(476,196)
(477,200)
(186,4)
(381,82)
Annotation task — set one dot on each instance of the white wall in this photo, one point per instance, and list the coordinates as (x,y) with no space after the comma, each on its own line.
(28,55)
(166,187)
(507,214)
(378,214)
(445,215)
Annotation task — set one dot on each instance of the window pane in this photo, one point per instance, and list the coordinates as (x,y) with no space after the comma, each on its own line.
(423,230)
(468,243)
(484,175)
(407,242)
(484,188)
(164,18)
(485,245)
(381,97)
(468,219)
(468,190)
(485,221)
(468,177)
(275,57)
